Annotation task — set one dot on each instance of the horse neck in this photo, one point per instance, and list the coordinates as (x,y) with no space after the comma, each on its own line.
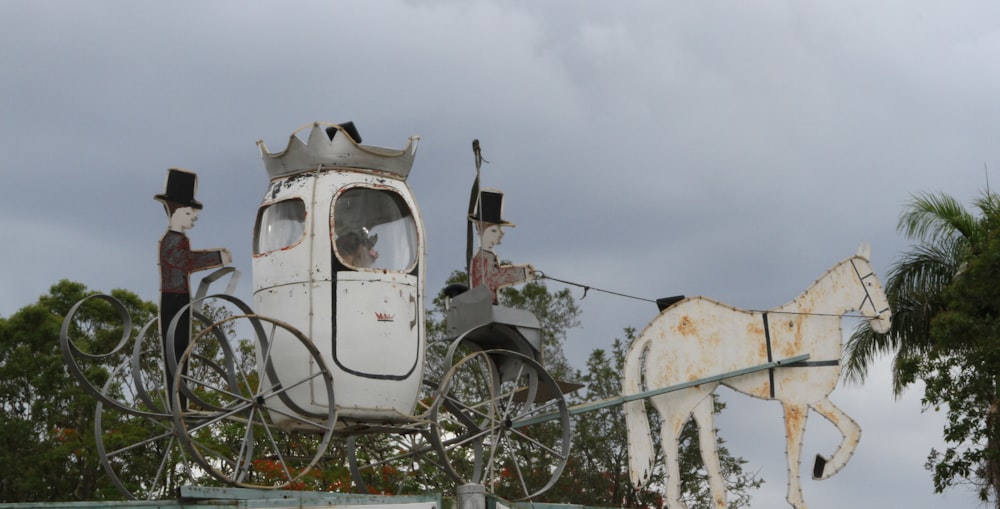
(836,292)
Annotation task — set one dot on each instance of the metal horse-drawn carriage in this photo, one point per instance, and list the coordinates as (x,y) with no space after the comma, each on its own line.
(333,346)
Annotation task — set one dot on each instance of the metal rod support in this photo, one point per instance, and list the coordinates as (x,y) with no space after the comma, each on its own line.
(619,400)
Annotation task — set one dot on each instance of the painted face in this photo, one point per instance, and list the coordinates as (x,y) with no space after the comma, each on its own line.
(366,256)
(492,236)
(183,218)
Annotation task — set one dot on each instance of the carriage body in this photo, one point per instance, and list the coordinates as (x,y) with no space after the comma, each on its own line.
(326,201)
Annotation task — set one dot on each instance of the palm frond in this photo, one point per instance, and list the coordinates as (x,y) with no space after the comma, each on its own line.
(930,219)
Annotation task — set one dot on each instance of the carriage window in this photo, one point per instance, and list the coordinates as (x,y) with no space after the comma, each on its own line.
(279,225)
(374,228)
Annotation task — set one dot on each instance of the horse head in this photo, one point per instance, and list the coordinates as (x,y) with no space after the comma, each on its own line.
(875,305)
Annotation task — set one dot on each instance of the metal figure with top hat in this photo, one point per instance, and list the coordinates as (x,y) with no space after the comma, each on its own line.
(177,260)
(485,268)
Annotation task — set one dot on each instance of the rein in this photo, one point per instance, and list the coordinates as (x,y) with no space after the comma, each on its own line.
(587,288)
(868,295)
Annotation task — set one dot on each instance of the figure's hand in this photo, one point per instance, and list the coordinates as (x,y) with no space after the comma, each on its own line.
(529,273)
(227,257)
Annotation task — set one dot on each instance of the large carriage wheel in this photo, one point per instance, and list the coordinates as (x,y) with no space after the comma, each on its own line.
(138,448)
(133,427)
(502,421)
(135,437)
(260,413)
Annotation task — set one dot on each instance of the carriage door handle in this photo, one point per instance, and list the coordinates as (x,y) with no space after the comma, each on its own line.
(413,322)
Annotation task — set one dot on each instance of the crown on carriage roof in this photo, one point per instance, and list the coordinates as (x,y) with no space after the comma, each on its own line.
(336,146)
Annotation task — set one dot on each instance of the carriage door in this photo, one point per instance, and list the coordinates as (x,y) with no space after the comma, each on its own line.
(376,300)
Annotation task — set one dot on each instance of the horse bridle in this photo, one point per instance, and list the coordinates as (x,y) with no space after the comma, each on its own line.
(868,295)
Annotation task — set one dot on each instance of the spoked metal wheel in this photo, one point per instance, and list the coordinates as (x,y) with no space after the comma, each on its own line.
(138,448)
(502,421)
(260,412)
(133,427)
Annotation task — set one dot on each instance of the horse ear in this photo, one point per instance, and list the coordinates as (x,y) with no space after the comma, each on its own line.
(865,250)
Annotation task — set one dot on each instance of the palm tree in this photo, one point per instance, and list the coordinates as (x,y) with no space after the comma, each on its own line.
(945,233)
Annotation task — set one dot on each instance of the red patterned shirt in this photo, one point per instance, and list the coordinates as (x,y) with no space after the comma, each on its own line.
(177,261)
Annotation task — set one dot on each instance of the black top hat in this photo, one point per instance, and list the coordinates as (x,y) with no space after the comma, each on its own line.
(181,187)
(489,208)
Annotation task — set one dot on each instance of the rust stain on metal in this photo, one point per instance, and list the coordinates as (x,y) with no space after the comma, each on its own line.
(795,341)
(794,419)
(755,329)
(686,327)
(834,417)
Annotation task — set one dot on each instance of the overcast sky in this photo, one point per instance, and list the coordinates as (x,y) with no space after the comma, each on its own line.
(729,149)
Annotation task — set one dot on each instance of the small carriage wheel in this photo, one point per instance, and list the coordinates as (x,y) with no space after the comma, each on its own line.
(138,449)
(262,413)
(399,460)
(502,421)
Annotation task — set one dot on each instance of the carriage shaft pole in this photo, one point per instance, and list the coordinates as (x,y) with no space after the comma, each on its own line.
(619,400)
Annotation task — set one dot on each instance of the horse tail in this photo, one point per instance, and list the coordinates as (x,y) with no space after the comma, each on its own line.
(640,440)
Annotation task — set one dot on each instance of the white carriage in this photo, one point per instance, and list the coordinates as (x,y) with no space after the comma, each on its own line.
(327,201)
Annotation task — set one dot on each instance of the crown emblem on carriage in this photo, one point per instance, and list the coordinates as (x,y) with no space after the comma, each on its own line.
(336,146)
(383,317)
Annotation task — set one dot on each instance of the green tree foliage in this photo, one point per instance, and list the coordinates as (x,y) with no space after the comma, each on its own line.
(946,318)
(961,371)
(47,450)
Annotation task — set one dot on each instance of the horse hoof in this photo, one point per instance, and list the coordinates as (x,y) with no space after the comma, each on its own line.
(818,467)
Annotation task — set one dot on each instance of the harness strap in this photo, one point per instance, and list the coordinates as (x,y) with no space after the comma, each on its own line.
(801,364)
(767,339)
(813,364)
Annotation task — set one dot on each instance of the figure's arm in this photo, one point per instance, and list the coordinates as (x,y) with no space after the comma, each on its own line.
(208,259)
(179,254)
(507,275)
(499,276)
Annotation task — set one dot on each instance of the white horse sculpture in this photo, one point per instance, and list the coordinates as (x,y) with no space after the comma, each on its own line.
(698,338)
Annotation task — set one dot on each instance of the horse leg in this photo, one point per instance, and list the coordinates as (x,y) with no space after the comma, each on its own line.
(640,442)
(640,437)
(795,426)
(704,415)
(674,410)
(851,431)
